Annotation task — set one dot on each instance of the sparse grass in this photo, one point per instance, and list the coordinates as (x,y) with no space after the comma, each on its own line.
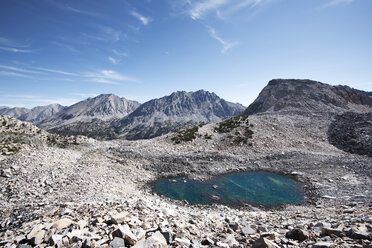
(230,124)
(187,134)
(236,124)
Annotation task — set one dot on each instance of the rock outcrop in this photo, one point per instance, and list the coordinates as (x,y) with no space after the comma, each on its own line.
(352,132)
(308,96)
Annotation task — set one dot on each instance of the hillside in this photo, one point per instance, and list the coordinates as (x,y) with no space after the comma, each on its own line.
(13,112)
(308,96)
(16,135)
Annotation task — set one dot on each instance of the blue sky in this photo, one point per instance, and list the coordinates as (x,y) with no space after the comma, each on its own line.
(54,51)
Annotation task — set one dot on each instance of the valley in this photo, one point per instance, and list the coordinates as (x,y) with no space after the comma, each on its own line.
(96,193)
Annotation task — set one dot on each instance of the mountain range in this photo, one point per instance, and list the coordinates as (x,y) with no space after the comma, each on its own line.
(108,116)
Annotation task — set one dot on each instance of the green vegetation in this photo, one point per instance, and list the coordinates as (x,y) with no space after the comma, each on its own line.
(228,125)
(236,124)
(187,134)
(207,136)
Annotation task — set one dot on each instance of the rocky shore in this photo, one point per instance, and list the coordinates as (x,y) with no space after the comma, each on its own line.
(96,194)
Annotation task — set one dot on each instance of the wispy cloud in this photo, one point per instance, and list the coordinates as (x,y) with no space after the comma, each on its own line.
(80,11)
(100,76)
(66,46)
(53,71)
(116,52)
(14,74)
(105,33)
(226,44)
(12,68)
(141,18)
(222,8)
(108,77)
(200,9)
(73,9)
(337,2)
(111,33)
(16,50)
(113,60)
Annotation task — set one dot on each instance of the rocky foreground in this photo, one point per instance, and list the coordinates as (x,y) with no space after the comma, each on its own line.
(97,194)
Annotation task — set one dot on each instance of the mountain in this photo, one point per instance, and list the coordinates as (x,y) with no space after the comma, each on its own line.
(308,96)
(41,113)
(170,113)
(13,112)
(90,117)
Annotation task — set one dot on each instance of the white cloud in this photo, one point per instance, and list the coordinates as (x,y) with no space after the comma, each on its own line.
(116,52)
(74,10)
(53,71)
(202,8)
(226,44)
(113,60)
(337,2)
(16,50)
(141,18)
(14,74)
(12,68)
(107,77)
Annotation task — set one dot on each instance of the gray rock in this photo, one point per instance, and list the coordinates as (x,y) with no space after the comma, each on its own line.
(330,231)
(297,234)
(117,243)
(55,239)
(36,236)
(195,243)
(324,245)
(6,173)
(248,231)
(119,218)
(358,235)
(24,246)
(264,243)
(154,241)
(125,233)
(207,241)
(168,235)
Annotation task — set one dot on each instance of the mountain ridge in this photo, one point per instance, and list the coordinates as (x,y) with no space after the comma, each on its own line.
(308,96)
(178,110)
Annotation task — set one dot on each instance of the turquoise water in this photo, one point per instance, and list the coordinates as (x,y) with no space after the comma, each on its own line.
(257,188)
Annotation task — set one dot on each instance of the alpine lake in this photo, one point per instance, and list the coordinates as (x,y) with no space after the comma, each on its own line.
(234,189)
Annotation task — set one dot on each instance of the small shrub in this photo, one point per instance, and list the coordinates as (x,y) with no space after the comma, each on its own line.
(187,134)
(206,136)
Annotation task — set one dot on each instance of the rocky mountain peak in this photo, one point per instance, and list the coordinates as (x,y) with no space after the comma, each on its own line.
(307,96)
(178,110)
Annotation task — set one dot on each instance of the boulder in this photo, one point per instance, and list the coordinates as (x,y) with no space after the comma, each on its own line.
(154,241)
(119,218)
(248,231)
(125,233)
(264,243)
(117,243)
(55,239)
(62,224)
(297,234)
(36,236)
(324,245)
